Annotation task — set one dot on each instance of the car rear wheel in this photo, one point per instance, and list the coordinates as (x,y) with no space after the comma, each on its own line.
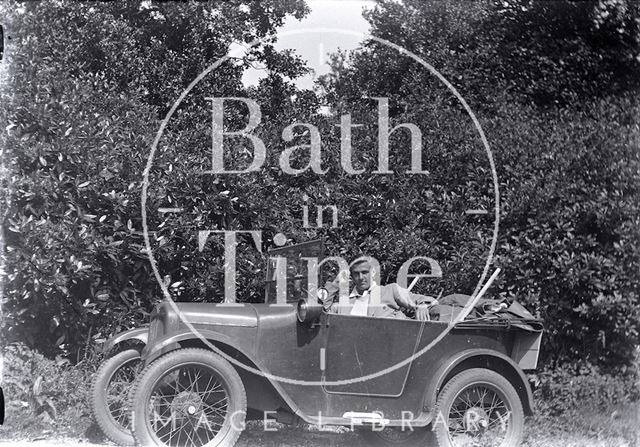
(189,397)
(479,407)
(109,392)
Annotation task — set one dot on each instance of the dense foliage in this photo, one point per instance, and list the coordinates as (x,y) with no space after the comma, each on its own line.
(545,52)
(554,85)
(82,100)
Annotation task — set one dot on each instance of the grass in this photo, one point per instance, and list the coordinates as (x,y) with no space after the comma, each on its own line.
(618,426)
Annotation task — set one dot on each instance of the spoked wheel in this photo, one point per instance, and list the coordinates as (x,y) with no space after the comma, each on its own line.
(189,397)
(479,408)
(109,395)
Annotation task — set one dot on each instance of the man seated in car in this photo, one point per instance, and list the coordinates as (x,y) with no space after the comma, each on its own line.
(369,299)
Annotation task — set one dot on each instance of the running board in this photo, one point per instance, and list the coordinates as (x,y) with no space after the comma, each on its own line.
(358,418)
(423,419)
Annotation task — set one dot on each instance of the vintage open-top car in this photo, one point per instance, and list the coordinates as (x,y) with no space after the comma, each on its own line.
(209,367)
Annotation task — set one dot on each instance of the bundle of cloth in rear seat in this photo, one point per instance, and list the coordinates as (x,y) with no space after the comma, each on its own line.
(450,306)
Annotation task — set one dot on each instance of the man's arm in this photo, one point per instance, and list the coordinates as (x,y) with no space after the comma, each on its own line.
(414,301)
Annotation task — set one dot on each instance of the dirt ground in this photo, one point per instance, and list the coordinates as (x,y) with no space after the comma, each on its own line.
(304,438)
(617,428)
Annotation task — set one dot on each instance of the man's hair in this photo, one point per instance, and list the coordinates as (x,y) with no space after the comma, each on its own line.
(359,261)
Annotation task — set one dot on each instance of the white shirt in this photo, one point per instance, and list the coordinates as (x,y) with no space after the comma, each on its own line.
(361,302)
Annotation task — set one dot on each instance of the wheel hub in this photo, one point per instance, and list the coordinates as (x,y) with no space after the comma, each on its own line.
(187,403)
(475,420)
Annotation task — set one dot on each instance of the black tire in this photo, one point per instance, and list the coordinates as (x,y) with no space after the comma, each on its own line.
(184,396)
(396,436)
(479,407)
(109,395)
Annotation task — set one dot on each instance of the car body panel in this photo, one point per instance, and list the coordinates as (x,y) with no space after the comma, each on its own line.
(349,353)
(220,314)
(272,341)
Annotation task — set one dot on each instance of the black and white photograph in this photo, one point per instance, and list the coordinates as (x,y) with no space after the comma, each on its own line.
(309,223)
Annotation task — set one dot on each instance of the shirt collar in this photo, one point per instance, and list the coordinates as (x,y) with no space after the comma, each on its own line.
(354,292)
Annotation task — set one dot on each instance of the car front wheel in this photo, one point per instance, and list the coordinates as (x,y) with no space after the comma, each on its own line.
(479,407)
(189,397)
(109,394)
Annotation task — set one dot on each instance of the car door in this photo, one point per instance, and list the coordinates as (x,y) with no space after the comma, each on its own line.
(362,346)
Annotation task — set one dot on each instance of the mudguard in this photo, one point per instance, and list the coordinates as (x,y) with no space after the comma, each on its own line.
(141,334)
(172,342)
(480,358)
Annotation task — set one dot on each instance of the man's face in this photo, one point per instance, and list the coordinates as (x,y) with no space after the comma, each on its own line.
(361,276)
